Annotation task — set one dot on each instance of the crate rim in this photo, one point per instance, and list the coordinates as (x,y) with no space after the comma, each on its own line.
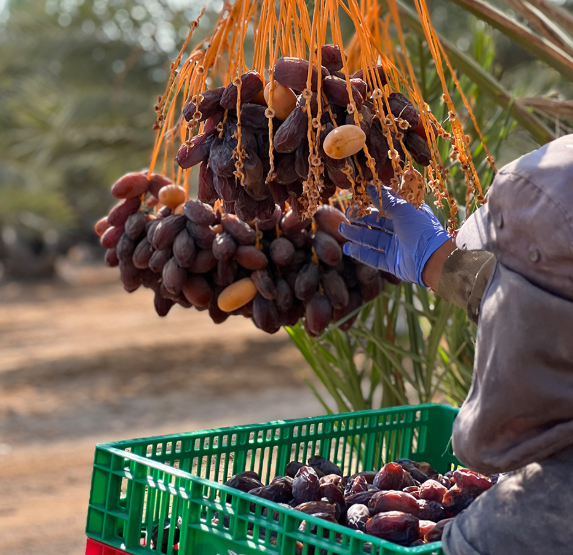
(309,419)
(115,448)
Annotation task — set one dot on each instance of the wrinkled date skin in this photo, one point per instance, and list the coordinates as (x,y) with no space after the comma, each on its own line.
(306,485)
(470,481)
(357,517)
(394,526)
(385,501)
(389,477)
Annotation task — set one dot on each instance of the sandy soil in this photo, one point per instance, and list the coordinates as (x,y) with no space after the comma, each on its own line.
(86,363)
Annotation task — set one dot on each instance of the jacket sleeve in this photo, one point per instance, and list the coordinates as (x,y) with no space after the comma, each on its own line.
(464,278)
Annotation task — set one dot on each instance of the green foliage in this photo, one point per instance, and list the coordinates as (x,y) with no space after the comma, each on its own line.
(78,82)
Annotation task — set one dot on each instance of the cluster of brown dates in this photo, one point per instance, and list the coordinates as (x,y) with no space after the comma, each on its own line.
(404,502)
(251,169)
(274,271)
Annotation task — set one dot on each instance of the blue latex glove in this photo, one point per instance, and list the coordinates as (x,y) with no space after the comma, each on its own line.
(400,243)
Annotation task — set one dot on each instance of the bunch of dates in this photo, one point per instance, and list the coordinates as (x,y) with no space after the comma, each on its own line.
(253,187)
(405,502)
(274,271)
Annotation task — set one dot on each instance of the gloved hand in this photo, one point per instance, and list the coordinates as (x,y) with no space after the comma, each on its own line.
(400,243)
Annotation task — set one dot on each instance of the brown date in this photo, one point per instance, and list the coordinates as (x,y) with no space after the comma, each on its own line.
(209,105)
(254,119)
(221,158)
(331,57)
(251,84)
(324,465)
(264,284)
(435,534)
(199,213)
(130,276)
(125,247)
(244,481)
(265,314)
(111,237)
(430,510)
(385,501)
(356,485)
(197,291)
(354,302)
(206,189)
(328,219)
(135,225)
(456,500)
(284,299)
(394,526)
(418,149)
(204,262)
(121,211)
(314,507)
(159,259)
(371,77)
(307,281)
(292,468)
(166,231)
(227,188)
(335,288)
(250,257)
(184,249)
(336,92)
(194,151)
(241,231)
(203,235)
(318,313)
(215,313)
(390,476)
(224,246)
(293,73)
(292,132)
(468,480)
(402,108)
(130,185)
(225,273)
(161,304)
(357,516)
(156,183)
(327,248)
(431,490)
(282,251)
(111,258)
(335,496)
(306,485)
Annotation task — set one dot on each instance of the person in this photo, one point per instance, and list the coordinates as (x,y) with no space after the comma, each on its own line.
(511,268)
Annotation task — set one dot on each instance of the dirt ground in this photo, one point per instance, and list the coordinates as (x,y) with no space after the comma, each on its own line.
(85,362)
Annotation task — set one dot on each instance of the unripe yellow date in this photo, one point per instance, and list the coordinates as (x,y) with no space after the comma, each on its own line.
(284,100)
(237,294)
(344,141)
(172,196)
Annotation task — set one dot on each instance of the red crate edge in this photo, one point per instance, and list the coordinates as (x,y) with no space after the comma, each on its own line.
(93,547)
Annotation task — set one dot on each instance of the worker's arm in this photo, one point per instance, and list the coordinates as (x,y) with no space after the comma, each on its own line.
(413,245)
(459,276)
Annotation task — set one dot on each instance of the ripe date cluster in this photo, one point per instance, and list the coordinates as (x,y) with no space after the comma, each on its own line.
(404,502)
(253,178)
(275,271)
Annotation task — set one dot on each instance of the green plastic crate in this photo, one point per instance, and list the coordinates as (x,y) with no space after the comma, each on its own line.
(139,483)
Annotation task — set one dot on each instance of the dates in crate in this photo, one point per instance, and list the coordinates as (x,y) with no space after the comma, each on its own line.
(394,526)
(306,485)
(389,477)
(385,501)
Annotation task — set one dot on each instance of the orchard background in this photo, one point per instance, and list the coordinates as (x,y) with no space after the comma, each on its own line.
(80,360)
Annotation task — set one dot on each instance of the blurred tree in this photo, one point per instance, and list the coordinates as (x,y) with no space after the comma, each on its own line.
(77,86)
